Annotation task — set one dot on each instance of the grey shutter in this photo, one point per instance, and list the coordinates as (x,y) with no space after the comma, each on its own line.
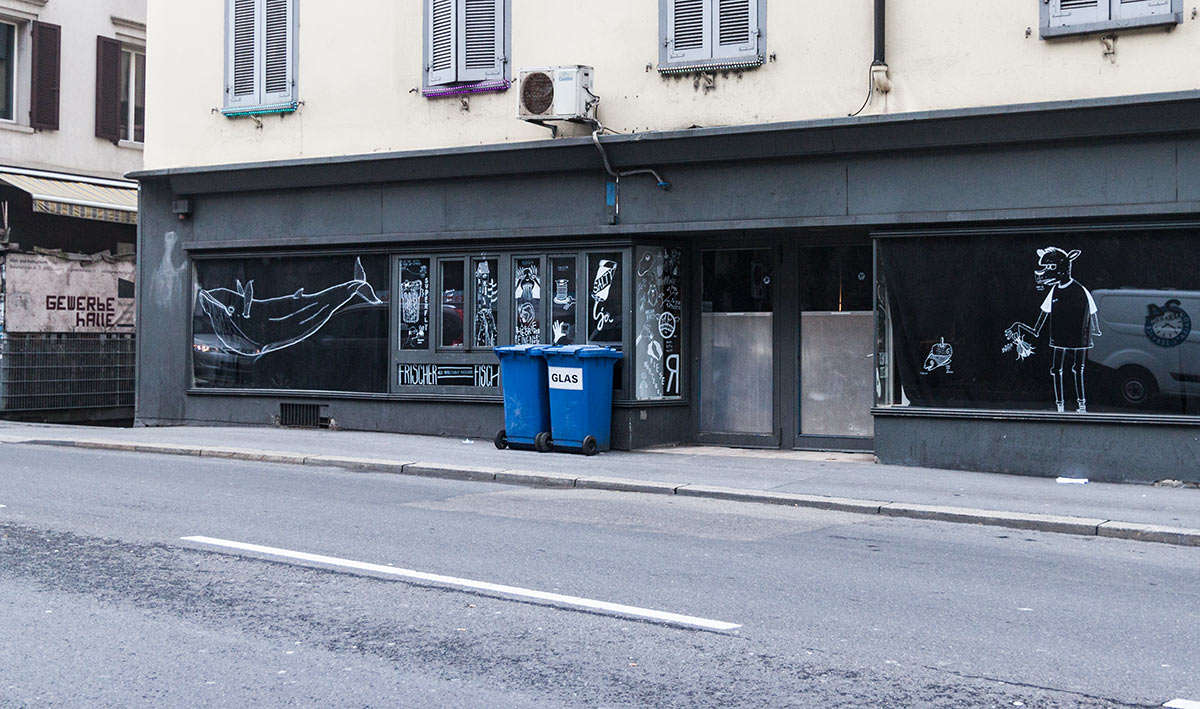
(1130,9)
(278,50)
(735,31)
(242,54)
(441,41)
(689,30)
(1069,13)
(481,40)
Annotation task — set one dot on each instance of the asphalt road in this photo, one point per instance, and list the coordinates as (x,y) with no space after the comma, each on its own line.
(103,604)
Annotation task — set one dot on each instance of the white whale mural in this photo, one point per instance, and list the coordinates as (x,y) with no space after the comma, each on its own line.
(254,327)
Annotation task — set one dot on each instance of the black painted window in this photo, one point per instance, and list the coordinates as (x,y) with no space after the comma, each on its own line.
(294,323)
(1082,322)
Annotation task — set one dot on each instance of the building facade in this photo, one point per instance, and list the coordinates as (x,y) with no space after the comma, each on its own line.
(72,123)
(954,236)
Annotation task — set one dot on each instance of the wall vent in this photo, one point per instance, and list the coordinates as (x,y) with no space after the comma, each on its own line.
(302,416)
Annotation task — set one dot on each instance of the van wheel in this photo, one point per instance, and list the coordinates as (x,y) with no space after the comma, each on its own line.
(1135,386)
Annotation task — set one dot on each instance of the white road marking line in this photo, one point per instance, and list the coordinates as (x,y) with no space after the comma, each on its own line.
(468,583)
(1182,704)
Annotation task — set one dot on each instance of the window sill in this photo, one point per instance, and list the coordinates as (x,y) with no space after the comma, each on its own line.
(16,127)
(131,145)
(1031,415)
(1171,19)
(472,88)
(290,107)
(710,65)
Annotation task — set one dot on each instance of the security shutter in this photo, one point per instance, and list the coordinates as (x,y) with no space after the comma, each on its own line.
(108,89)
(1131,9)
(278,50)
(242,76)
(441,41)
(689,30)
(46,73)
(1068,13)
(735,34)
(482,34)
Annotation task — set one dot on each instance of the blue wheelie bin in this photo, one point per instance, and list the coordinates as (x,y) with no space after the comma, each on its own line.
(580,379)
(526,401)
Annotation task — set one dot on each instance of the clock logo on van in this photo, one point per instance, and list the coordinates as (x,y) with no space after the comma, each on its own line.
(1167,325)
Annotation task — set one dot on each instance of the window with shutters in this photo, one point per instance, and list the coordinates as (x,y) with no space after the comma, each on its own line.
(260,56)
(8,71)
(1060,18)
(716,34)
(466,46)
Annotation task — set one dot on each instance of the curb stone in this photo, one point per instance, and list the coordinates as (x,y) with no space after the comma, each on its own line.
(1081,526)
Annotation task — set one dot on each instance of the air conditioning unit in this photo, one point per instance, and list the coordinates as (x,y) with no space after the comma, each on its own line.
(556,93)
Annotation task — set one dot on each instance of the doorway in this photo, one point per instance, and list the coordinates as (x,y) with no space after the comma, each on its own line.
(737,361)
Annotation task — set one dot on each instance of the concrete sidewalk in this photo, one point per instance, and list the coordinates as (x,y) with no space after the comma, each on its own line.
(827,480)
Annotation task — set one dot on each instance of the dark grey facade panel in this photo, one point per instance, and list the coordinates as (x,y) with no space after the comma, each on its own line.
(1099,451)
(314,213)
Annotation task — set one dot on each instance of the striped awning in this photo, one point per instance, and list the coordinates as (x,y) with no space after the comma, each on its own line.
(101,200)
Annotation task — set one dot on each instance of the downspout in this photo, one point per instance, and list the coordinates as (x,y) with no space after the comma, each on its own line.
(879,68)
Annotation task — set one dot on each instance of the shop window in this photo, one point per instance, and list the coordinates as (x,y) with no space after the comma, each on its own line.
(527,301)
(658,316)
(606,314)
(414,304)
(486,302)
(1097,322)
(452,303)
(563,310)
(295,323)
(1060,18)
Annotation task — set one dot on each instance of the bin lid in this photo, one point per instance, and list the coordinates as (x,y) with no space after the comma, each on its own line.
(584,351)
(527,350)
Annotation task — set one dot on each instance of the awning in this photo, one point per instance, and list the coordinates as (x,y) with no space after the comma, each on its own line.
(81,197)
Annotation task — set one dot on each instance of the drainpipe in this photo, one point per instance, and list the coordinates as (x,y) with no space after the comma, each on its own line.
(879,67)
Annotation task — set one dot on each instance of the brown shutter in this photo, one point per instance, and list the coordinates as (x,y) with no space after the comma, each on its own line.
(108,89)
(47,70)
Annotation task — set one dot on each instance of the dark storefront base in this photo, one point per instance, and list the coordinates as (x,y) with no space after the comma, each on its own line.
(1046,445)
(634,426)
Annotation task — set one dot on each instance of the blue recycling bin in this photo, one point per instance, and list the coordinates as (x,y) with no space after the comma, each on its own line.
(580,381)
(526,401)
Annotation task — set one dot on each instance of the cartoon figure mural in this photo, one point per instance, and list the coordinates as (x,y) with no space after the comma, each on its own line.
(254,327)
(1071,313)
(940,355)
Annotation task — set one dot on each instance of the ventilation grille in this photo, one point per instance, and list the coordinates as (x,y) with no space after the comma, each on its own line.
(302,416)
(537,93)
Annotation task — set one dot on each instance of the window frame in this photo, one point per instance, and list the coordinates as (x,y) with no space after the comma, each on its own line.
(259,105)
(134,52)
(714,61)
(14,69)
(456,85)
(1173,17)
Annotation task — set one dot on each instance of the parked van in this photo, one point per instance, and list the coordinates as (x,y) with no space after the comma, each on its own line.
(1148,347)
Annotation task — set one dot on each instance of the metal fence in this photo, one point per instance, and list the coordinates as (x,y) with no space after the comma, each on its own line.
(46,371)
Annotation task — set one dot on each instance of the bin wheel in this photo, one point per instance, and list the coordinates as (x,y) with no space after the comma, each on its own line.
(501,440)
(589,445)
(543,443)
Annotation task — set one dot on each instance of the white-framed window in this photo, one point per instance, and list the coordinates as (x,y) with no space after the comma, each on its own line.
(8,71)
(711,33)
(260,56)
(1061,18)
(133,95)
(465,41)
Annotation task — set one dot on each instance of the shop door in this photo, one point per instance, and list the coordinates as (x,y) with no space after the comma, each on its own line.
(836,350)
(737,348)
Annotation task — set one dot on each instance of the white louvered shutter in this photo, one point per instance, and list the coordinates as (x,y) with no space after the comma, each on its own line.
(1132,9)
(481,38)
(689,30)
(441,41)
(242,54)
(735,31)
(1069,13)
(278,44)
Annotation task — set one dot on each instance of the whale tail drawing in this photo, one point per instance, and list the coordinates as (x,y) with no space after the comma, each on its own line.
(364,291)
